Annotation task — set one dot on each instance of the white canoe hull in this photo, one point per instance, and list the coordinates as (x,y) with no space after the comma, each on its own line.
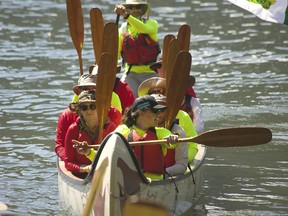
(123,178)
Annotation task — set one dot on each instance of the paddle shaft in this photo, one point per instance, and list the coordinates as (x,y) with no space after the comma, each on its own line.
(226,137)
(76,27)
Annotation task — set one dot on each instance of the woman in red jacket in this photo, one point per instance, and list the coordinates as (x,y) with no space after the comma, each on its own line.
(86,128)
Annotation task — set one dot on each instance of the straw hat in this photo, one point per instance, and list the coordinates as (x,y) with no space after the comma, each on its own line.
(154,82)
(135,3)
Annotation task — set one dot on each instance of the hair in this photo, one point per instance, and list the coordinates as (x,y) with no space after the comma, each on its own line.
(130,117)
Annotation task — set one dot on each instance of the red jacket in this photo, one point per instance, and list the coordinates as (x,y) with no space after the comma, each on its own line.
(67,118)
(125,94)
(73,159)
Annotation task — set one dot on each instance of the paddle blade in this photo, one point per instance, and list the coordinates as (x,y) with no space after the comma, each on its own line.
(175,93)
(183,36)
(234,137)
(105,83)
(166,43)
(96,184)
(97,28)
(76,27)
(110,42)
(142,207)
(174,49)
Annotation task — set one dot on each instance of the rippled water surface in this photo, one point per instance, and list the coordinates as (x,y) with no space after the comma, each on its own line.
(240,63)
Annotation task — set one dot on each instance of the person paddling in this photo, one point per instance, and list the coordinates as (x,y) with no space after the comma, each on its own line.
(84,129)
(191,104)
(69,115)
(138,43)
(157,85)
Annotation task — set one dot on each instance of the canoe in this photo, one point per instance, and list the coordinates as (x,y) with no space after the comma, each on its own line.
(122,178)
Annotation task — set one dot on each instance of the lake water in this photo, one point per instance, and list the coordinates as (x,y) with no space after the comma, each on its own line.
(240,63)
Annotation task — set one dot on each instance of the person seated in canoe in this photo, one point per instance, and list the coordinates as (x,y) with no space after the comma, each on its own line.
(69,116)
(138,43)
(176,160)
(157,85)
(139,123)
(84,129)
(121,88)
(191,103)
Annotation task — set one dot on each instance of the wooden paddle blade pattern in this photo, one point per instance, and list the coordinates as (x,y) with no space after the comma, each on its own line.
(166,43)
(183,36)
(110,42)
(175,93)
(174,49)
(104,87)
(76,27)
(235,137)
(97,28)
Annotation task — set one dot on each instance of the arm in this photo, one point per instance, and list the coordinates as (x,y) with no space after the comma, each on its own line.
(181,154)
(197,115)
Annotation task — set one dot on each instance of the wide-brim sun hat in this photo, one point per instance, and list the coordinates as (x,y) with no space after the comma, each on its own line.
(84,80)
(137,2)
(154,82)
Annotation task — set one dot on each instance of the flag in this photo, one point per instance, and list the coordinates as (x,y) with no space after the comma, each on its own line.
(269,10)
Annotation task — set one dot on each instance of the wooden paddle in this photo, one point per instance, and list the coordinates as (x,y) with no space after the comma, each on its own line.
(95,187)
(166,43)
(183,36)
(175,93)
(76,27)
(97,28)
(225,137)
(104,86)
(174,49)
(110,43)
(143,208)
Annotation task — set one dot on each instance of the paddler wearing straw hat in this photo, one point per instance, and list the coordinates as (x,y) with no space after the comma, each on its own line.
(138,43)
(191,104)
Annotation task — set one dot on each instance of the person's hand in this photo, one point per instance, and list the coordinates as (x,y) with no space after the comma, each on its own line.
(81,147)
(173,138)
(85,168)
(121,10)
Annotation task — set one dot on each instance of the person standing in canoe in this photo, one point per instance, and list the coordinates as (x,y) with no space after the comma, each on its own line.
(139,123)
(69,116)
(191,104)
(157,85)
(84,129)
(138,43)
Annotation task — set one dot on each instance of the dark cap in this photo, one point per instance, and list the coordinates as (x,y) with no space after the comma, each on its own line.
(146,101)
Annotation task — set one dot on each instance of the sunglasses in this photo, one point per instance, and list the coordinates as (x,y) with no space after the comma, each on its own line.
(85,107)
(138,7)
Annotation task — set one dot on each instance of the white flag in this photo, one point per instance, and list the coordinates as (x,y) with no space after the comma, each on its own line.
(269,10)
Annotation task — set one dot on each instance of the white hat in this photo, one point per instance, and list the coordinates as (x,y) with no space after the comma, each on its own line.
(137,2)
(154,82)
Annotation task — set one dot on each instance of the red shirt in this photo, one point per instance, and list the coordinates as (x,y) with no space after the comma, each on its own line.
(73,159)
(67,118)
(125,94)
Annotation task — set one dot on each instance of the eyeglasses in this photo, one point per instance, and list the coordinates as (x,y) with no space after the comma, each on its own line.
(85,107)
(138,7)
